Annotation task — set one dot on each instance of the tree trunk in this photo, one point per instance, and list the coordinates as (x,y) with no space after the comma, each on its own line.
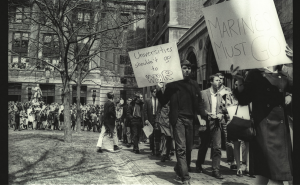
(78,116)
(67,115)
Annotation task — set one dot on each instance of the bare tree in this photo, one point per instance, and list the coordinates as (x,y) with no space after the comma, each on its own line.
(80,31)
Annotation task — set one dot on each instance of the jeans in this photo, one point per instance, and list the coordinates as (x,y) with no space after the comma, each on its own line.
(136,125)
(183,137)
(113,132)
(206,137)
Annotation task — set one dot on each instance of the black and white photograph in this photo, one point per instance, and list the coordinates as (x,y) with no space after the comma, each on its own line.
(150,92)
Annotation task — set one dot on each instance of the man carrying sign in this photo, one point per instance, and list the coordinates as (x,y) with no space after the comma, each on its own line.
(184,97)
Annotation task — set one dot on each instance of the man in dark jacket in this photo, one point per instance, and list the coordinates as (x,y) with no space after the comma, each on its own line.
(17,119)
(127,124)
(136,116)
(184,97)
(150,113)
(110,122)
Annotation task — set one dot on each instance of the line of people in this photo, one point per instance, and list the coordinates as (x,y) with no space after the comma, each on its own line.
(175,108)
(39,116)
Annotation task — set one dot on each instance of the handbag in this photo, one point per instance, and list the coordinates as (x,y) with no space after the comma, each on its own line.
(240,128)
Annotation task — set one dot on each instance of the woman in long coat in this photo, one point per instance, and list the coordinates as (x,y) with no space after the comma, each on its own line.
(270,152)
(163,122)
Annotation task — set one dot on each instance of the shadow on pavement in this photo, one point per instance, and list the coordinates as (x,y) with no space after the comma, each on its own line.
(167,176)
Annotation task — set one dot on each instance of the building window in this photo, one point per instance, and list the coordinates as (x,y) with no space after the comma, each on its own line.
(153,29)
(20,40)
(83,17)
(157,24)
(163,39)
(165,12)
(20,50)
(22,14)
(124,59)
(52,60)
(14,92)
(83,94)
(128,70)
(51,45)
(148,34)
(48,93)
(125,17)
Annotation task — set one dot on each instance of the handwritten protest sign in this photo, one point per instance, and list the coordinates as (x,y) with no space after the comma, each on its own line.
(246,33)
(155,64)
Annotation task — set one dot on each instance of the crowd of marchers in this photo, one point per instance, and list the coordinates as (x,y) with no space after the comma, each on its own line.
(175,108)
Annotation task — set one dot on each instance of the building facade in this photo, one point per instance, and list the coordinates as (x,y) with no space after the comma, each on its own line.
(169,20)
(23,35)
(195,44)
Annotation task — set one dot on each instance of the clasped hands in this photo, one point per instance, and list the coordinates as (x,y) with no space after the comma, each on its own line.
(214,116)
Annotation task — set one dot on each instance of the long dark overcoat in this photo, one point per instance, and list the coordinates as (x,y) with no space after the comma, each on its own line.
(270,153)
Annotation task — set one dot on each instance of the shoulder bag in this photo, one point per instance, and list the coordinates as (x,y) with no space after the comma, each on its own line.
(240,128)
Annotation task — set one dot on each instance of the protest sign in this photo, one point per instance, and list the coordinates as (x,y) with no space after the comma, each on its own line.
(246,33)
(155,64)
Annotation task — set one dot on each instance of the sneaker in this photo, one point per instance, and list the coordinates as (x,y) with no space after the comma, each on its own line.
(128,145)
(99,150)
(116,148)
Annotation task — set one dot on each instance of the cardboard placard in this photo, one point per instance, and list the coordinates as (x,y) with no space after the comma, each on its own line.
(246,33)
(155,64)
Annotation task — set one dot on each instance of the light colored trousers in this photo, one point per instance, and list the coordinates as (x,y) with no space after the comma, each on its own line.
(114,135)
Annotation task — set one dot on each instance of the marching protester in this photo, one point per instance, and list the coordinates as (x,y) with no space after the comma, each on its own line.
(184,97)
(17,119)
(110,122)
(94,120)
(232,144)
(61,119)
(166,130)
(212,116)
(127,123)
(150,113)
(269,91)
(228,100)
(44,119)
(136,117)
(119,113)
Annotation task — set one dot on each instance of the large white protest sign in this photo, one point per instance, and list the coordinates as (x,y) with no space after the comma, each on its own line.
(155,64)
(246,33)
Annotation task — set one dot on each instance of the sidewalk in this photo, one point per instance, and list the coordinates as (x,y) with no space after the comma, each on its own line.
(144,169)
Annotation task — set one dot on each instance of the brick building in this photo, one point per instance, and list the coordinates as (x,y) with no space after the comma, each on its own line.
(23,35)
